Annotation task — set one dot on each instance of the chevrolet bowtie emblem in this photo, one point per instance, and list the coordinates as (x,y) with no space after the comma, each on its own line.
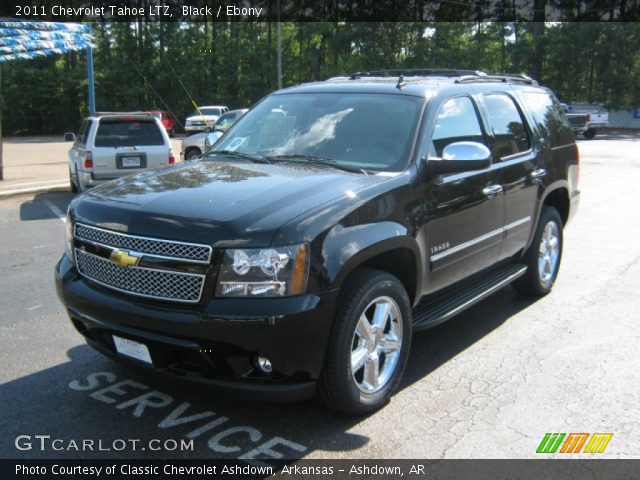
(124,258)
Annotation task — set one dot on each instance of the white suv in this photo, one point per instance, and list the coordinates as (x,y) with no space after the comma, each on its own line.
(196,122)
(112,145)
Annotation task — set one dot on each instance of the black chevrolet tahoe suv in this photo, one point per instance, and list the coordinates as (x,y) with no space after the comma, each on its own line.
(298,255)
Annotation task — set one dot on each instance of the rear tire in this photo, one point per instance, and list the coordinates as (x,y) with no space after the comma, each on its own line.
(369,343)
(74,187)
(543,256)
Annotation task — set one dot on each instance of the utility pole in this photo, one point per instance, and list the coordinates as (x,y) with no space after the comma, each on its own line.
(1,167)
(92,94)
(279,46)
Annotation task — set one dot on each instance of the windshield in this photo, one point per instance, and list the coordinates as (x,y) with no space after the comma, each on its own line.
(225,121)
(367,131)
(207,111)
(128,133)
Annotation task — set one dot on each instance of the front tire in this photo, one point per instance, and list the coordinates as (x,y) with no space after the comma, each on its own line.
(192,154)
(543,256)
(589,134)
(369,344)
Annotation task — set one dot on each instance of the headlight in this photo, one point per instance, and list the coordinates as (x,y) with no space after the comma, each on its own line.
(69,231)
(264,272)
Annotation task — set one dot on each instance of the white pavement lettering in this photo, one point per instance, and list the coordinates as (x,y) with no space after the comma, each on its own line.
(242,440)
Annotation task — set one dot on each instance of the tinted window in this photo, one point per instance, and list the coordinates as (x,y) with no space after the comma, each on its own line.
(83,132)
(507,125)
(209,111)
(457,121)
(549,117)
(128,133)
(370,131)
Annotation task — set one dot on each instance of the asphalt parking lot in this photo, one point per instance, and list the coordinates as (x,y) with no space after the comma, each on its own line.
(487,384)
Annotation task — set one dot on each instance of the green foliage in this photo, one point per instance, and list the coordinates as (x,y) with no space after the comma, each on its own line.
(149,65)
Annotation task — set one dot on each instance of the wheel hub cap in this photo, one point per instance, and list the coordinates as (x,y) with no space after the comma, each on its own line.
(548,254)
(376,345)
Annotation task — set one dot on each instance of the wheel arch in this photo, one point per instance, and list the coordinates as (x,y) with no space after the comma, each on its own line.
(558,198)
(398,256)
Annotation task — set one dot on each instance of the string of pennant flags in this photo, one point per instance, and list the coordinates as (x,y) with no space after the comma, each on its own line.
(28,40)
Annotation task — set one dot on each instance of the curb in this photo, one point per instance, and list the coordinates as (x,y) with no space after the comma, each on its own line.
(60,187)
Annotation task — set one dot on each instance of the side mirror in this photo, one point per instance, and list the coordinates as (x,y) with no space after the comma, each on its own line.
(69,137)
(461,157)
(207,129)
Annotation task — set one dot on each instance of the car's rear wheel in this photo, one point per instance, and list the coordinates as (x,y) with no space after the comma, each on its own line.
(369,344)
(543,256)
(72,185)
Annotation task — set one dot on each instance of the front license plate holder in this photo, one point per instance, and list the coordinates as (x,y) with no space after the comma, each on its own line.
(132,349)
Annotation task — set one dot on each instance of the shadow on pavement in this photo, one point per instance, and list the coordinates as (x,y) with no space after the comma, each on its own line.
(36,139)
(39,207)
(612,135)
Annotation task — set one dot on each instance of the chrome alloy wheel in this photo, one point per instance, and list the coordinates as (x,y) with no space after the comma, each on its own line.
(375,348)
(548,254)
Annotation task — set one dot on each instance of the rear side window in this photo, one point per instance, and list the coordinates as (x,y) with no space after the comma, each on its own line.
(83,132)
(128,133)
(507,124)
(457,121)
(549,117)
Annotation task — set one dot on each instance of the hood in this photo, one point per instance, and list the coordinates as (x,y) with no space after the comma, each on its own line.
(222,204)
(196,139)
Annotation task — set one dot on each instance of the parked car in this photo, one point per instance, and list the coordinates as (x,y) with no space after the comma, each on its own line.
(198,122)
(579,122)
(169,122)
(329,223)
(597,117)
(110,145)
(194,146)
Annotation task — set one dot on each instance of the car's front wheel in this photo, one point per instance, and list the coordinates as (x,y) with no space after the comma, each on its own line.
(369,344)
(192,154)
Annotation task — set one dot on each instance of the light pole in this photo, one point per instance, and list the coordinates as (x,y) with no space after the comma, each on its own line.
(279,46)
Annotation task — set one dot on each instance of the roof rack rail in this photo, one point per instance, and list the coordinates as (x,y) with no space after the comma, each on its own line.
(415,72)
(498,77)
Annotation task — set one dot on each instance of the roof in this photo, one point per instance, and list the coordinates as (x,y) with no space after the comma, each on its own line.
(416,82)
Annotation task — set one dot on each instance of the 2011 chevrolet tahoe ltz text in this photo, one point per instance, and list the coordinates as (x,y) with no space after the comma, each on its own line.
(332,220)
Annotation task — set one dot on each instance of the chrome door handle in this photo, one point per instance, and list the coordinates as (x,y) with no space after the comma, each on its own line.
(492,190)
(538,173)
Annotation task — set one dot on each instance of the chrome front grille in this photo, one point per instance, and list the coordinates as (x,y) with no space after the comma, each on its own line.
(152,246)
(140,281)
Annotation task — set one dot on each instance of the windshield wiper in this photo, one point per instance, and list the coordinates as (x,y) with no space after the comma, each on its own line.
(234,154)
(312,159)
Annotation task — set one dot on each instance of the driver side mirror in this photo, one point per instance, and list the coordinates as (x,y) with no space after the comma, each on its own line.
(461,157)
(69,137)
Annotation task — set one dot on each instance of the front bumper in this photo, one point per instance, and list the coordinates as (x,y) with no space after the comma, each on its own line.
(216,344)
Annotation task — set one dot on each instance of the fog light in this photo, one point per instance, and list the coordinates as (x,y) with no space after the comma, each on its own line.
(264,364)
